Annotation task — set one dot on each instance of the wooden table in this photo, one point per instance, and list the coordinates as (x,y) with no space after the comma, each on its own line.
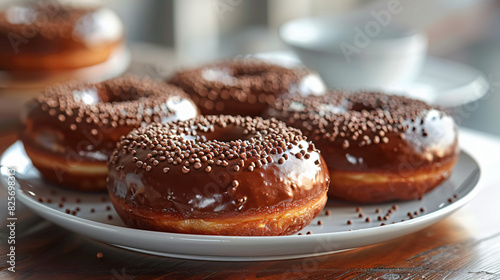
(464,246)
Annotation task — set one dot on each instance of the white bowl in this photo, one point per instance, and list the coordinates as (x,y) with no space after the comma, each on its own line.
(358,52)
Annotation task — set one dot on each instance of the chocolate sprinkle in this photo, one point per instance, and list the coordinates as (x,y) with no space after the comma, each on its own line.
(48,20)
(356,119)
(170,142)
(238,86)
(125,102)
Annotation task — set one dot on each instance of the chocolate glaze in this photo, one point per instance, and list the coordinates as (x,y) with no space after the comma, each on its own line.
(86,120)
(244,86)
(372,132)
(196,169)
(51,36)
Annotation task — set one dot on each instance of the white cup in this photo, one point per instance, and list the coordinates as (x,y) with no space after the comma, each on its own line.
(358,52)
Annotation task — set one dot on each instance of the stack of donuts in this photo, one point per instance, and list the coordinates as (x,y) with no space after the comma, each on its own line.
(238,147)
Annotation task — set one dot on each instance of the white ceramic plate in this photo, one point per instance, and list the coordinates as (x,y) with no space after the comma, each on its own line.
(442,82)
(447,83)
(333,235)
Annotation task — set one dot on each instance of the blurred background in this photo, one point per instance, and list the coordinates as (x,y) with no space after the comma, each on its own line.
(166,34)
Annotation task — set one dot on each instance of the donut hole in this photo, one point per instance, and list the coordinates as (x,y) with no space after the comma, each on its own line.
(370,102)
(104,94)
(363,106)
(228,74)
(226,134)
(249,72)
(109,93)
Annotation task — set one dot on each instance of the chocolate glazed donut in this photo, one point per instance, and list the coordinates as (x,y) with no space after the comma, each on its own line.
(220,175)
(377,147)
(71,129)
(244,86)
(49,36)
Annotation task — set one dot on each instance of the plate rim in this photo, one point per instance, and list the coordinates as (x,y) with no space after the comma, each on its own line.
(63,220)
(444,100)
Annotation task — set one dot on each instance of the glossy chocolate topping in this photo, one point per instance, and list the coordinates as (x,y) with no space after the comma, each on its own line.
(372,132)
(217,166)
(86,120)
(30,32)
(244,86)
